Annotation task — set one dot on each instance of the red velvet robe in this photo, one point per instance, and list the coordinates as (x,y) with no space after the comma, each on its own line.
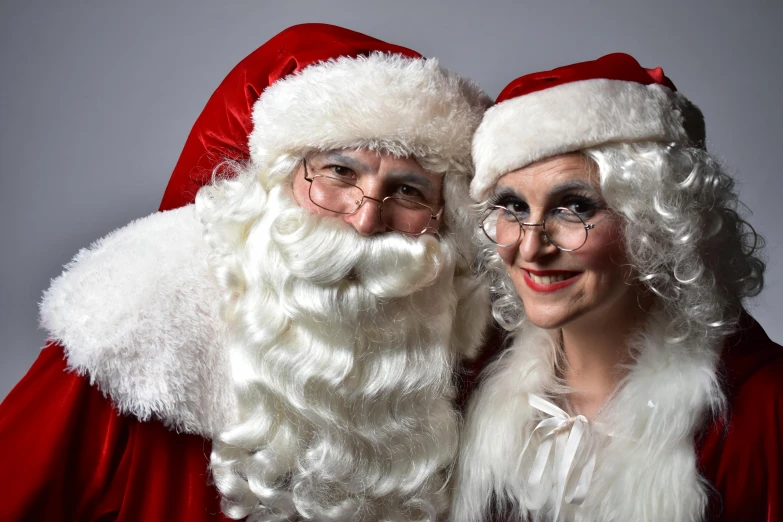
(68,455)
(742,457)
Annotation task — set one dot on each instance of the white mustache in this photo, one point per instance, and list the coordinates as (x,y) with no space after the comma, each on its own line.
(326,251)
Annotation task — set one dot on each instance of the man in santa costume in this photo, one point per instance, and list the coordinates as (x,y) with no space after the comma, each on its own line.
(636,386)
(297,326)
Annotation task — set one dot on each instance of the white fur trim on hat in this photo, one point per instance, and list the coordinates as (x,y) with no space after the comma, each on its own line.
(575,116)
(406,106)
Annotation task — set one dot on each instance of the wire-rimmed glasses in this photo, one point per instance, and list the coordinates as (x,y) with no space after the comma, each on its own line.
(397,213)
(562,227)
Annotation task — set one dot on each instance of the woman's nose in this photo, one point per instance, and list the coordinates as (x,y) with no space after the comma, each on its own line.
(534,243)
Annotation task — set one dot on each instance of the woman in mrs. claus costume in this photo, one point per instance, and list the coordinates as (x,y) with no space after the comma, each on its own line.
(636,387)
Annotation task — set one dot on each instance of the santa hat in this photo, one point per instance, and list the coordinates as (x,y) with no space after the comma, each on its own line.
(611,99)
(321,87)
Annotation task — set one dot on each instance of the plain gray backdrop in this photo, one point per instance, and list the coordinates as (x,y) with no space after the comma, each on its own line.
(97,98)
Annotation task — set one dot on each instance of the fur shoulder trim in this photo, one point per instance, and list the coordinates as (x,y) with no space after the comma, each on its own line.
(138,312)
(646,464)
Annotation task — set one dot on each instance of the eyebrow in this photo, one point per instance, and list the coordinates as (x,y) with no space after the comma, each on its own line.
(395,175)
(572,185)
(411,177)
(347,161)
(556,190)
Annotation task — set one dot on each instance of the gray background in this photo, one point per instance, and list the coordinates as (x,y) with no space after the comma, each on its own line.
(97,98)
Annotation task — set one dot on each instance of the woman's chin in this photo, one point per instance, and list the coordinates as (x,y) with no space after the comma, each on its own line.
(548,321)
(553,316)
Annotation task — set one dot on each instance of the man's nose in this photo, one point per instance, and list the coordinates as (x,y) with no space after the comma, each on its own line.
(367,220)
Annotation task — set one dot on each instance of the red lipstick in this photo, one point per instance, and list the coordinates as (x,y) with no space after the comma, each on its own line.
(571,277)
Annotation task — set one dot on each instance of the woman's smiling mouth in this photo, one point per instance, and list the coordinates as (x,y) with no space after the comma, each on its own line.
(549,280)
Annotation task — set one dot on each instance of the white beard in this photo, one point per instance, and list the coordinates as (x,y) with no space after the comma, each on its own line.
(341,361)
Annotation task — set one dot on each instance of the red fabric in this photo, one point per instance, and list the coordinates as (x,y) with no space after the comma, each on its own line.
(742,456)
(617,66)
(67,455)
(221,131)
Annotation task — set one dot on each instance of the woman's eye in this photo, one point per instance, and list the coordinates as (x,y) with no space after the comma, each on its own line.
(410,192)
(517,207)
(581,206)
(514,206)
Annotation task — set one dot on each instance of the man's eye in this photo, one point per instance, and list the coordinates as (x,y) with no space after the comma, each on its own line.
(339,170)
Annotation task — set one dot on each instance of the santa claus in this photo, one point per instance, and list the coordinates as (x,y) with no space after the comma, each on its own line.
(299,322)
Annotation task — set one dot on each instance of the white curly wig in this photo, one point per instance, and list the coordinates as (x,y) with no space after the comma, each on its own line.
(685,238)
(684,233)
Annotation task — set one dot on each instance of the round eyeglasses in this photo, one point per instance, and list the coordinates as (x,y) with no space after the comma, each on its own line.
(562,227)
(397,213)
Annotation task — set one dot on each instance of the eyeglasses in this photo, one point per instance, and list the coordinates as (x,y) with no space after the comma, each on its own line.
(397,213)
(562,227)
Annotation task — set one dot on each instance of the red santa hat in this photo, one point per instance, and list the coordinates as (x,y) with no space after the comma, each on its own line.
(611,99)
(321,87)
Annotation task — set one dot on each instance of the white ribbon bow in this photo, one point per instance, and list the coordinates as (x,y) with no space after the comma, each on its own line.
(565,433)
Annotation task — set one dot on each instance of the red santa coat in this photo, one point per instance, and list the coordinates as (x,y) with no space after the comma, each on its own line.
(114,419)
(741,455)
(68,454)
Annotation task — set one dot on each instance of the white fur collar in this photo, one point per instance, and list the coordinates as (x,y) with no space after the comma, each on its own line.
(138,311)
(646,470)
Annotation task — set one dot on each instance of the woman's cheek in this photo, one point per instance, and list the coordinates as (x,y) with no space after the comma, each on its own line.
(603,251)
(507,254)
